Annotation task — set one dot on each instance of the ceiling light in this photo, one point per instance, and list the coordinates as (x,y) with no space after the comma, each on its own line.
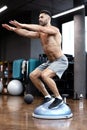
(3,8)
(68,11)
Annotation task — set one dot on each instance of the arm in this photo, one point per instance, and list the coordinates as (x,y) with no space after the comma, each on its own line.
(22,32)
(37,28)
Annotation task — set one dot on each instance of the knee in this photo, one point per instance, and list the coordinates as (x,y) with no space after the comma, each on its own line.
(32,75)
(44,76)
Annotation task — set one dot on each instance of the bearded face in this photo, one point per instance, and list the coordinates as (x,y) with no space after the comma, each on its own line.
(43,19)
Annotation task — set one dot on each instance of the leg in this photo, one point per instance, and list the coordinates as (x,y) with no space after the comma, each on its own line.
(35,78)
(47,78)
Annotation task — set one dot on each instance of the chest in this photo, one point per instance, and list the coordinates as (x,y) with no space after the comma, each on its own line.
(45,38)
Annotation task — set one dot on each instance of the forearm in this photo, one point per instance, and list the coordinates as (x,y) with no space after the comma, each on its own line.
(21,32)
(32,27)
(26,33)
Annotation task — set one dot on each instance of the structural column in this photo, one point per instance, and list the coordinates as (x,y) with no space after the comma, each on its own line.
(80,54)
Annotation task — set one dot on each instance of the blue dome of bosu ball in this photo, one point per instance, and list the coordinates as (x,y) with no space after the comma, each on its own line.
(63,111)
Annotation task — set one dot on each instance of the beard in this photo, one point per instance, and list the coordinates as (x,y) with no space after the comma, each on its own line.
(42,23)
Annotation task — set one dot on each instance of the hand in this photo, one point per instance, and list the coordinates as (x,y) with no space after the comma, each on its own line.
(6,26)
(15,23)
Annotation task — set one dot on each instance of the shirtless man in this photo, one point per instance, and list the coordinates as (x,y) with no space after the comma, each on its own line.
(51,43)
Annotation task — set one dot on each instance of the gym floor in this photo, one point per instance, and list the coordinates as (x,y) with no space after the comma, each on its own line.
(15,114)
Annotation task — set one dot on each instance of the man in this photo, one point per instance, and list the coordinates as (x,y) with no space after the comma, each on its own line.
(51,43)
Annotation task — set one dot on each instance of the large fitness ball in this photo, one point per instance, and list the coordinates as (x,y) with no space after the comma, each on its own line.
(1,87)
(28,98)
(15,87)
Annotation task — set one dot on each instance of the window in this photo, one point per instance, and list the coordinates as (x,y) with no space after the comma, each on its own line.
(68,37)
(86,34)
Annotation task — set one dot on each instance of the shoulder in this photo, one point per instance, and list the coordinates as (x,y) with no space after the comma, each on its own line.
(57,31)
(55,28)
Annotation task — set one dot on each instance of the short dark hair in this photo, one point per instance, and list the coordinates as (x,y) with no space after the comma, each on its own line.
(46,12)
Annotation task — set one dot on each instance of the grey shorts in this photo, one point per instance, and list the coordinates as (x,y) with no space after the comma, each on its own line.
(58,66)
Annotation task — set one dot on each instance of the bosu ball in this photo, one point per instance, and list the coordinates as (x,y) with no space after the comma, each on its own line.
(63,111)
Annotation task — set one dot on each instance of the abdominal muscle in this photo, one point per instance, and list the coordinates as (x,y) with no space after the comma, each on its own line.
(53,52)
(51,46)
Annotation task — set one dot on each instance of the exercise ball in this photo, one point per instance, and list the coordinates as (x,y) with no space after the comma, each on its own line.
(15,87)
(28,98)
(62,111)
(1,87)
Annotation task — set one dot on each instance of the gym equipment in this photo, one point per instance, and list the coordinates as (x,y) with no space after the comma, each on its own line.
(17,69)
(1,87)
(32,64)
(15,87)
(28,98)
(65,96)
(6,72)
(63,111)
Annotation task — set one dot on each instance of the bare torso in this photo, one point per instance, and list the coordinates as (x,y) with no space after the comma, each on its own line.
(51,45)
